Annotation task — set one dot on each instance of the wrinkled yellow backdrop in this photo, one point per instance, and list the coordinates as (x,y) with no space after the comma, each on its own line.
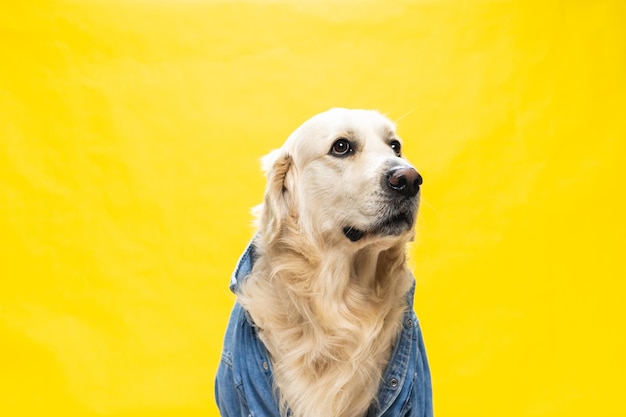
(129,138)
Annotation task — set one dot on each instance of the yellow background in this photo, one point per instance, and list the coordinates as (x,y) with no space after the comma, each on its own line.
(130,133)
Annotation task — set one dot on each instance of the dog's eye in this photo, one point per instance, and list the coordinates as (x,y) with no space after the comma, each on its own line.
(341,147)
(397,147)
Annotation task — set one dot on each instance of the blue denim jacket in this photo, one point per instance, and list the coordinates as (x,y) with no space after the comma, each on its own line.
(244,383)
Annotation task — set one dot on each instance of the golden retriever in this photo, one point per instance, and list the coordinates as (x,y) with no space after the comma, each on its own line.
(328,289)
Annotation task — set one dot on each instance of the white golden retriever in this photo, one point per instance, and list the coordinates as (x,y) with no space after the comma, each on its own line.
(328,286)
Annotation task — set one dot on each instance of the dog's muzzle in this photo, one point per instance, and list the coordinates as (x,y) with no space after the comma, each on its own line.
(402,185)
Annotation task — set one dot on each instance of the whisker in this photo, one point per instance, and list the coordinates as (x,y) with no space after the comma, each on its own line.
(431,207)
(405,114)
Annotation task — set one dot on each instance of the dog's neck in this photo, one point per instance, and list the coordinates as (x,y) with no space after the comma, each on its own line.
(368,264)
(364,266)
(328,319)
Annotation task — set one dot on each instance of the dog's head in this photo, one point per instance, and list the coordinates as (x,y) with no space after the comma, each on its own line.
(341,178)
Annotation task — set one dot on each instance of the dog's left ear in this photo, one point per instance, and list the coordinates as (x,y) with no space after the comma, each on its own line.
(278,205)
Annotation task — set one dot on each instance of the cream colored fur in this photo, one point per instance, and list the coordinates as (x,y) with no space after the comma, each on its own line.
(328,309)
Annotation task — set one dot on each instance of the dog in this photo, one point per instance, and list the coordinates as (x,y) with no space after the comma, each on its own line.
(323,325)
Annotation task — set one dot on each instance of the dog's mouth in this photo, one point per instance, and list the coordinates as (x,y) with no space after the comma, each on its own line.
(353,233)
(394,225)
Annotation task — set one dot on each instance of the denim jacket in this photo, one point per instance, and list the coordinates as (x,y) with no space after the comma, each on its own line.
(244,385)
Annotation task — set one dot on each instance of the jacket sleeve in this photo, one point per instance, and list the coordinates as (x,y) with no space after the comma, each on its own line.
(426,394)
(226,394)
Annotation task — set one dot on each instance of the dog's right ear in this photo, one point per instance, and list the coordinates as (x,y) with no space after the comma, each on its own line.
(278,203)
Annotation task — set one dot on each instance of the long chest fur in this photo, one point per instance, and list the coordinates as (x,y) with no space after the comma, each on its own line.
(331,372)
(328,351)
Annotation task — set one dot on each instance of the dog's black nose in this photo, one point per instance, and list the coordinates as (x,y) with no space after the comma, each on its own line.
(405,180)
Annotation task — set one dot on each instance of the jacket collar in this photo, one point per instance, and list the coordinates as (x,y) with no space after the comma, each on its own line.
(246,262)
(244,267)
